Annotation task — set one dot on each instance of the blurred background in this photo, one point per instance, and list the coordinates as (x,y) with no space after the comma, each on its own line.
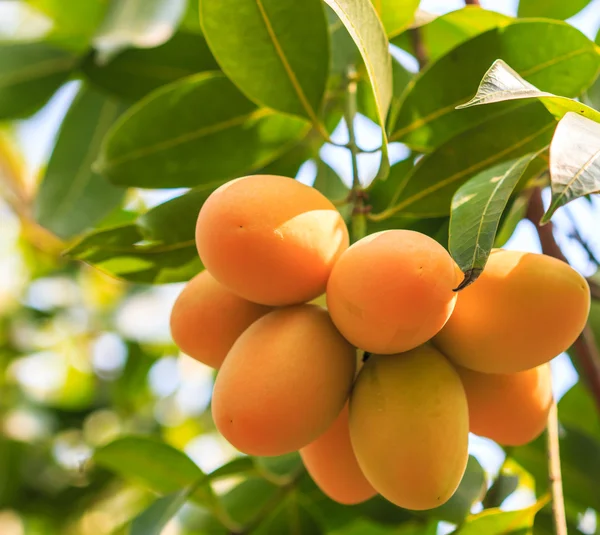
(85,358)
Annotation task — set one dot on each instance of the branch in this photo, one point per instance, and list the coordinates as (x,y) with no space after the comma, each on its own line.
(472,3)
(418,46)
(585,347)
(357,194)
(554,473)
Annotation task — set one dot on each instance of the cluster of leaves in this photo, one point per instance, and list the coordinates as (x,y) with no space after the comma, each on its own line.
(166,102)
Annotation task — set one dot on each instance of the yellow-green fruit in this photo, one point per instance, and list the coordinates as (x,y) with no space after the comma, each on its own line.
(284,381)
(392,291)
(207,319)
(331,462)
(409,426)
(270,239)
(523,311)
(512,408)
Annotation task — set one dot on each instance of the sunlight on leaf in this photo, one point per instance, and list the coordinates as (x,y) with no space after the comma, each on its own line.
(574,161)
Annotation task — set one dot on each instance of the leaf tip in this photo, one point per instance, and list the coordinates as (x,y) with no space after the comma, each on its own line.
(471,275)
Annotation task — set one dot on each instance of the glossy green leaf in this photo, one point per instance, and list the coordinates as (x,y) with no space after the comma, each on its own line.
(72,197)
(158,248)
(275,51)
(137,23)
(395,15)
(471,489)
(30,73)
(428,189)
(73,21)
(153,520)
(135,72)
(559,59)
(444,33)
(551,9)
(153,464)
(574,161)
(476,209)
(159,143)
(498,522)
(501,83)
(361,20)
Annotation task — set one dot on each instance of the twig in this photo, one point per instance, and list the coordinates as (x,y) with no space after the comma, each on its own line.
(554,473)
(472,3)
(357,194)
(576,235)
(418,46)
(585,346)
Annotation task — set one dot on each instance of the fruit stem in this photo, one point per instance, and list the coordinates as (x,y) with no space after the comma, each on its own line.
(554,473)
(357,194)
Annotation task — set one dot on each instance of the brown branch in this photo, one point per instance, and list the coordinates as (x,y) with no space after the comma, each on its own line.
(472,3)
(418,46)
(585,347)
(554,473)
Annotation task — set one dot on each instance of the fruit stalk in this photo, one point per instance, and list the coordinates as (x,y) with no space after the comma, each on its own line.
(554,473)
(357,194)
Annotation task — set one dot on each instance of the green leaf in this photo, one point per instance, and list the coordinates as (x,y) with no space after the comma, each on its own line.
(291,517)
(577,408)
(428,189)
(275,51)
(73,21)
(395,15)
(580,465)
(158,248)
(153,520)
(574,161)
(344,51)
(559,59)
(137,23)
(551,9)
(476,209)
(159,143)
(365,99)
(446,32)
(471,489)
(501,83)
(510,219)
(329,183)
(72,197)
(504,485)
(361,20)
(135,72)
(498,522)
(153,464)
(30,73)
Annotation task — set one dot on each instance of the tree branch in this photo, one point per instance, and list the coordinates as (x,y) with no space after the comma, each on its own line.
(418,46)
(472,3)
(585,347)
(357,194)
(554,473)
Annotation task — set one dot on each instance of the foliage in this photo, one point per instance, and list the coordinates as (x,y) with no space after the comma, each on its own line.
(102,422)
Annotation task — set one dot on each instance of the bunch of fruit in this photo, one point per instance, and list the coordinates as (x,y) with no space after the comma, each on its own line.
(438,363)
